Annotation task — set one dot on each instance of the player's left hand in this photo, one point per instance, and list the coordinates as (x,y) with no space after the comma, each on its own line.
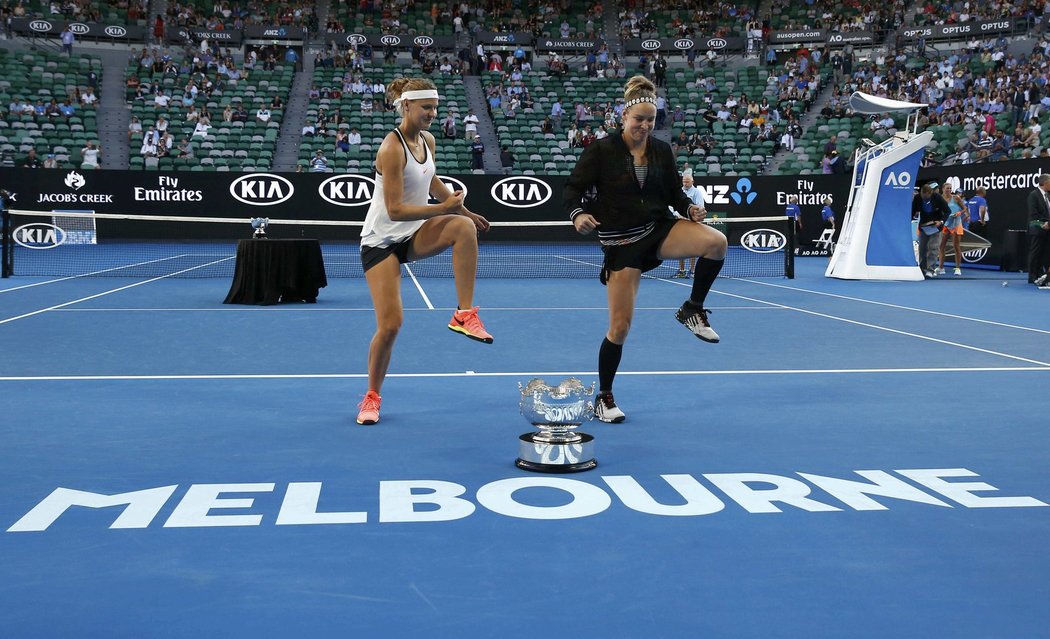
(479,222)
(696,213)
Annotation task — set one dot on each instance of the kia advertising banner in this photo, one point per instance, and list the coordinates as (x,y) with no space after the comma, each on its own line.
(391,40)
(672,45)
(344,196)
(93,30)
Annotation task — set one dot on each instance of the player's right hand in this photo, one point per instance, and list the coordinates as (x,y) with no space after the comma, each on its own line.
(454,202)
(585,223)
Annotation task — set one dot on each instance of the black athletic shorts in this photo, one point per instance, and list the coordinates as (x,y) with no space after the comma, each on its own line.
(372,255)
(641,254)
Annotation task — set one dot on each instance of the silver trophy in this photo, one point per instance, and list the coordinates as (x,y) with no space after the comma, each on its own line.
(260,224)
(556,411)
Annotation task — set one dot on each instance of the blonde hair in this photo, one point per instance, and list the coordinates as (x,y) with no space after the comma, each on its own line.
(637,87)
(402,84)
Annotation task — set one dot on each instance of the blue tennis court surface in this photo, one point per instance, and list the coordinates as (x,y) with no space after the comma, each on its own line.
(853,459)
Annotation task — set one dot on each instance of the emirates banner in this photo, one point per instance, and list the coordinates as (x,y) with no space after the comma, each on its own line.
(517,198)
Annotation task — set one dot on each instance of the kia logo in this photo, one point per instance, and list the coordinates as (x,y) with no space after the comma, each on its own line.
(975,255)
(356,39)
(39,236)
(261,189)
(521,192)
(683,43)
(650,45)
(424,41)
(763,241)
(453,185)
(390,40)
(116,31)
(40,25)
(347,190)
(78,28)
(717,43)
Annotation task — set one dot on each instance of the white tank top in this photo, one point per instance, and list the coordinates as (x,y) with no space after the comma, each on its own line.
(379,230)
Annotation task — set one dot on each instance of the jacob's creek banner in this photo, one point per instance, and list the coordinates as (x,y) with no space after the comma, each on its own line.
(344,196)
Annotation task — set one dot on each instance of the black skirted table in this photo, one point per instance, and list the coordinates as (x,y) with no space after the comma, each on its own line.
(272,271)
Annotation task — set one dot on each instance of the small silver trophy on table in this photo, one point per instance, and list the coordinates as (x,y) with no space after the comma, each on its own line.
(556,411)
(260,224)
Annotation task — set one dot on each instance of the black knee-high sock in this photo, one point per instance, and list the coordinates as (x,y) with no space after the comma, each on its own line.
(706,272)
(608,361)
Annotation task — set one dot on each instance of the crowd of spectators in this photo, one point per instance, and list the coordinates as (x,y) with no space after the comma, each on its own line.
(841,15)
(236,14)
(667,18)
(941,13)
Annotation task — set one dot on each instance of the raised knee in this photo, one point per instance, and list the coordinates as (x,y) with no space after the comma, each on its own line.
(463,228)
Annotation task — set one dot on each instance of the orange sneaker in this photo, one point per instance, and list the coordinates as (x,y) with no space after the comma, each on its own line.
(369,408)
(468,323)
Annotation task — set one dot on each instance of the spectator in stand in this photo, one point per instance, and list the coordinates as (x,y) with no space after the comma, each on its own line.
(354,137)
(202,127)
(477,151)
(319,163)
(50,162)
(448,126)
(148,148)
(67,40)
(470,125)
(263,114)
(184,149)
(506,160)
(31,161)
(90,156)
(161,99)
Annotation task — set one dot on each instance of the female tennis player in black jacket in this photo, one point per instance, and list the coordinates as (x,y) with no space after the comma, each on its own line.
(622,186)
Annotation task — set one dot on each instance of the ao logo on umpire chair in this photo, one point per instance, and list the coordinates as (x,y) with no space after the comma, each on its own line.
(39,236)
(898,180)
(261,189)
(763,241)
(521,192)
(347,190)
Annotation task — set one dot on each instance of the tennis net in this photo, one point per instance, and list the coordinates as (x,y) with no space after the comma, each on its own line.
(86,244)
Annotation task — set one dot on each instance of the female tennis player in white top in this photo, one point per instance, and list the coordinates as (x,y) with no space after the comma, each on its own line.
(402,227)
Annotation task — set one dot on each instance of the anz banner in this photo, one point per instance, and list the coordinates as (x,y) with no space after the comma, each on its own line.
(344,196)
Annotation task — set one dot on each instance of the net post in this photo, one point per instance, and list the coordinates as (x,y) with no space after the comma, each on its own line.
(7,256)
(789,250)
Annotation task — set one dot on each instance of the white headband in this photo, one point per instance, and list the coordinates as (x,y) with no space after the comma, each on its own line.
(631,103)
(416,95)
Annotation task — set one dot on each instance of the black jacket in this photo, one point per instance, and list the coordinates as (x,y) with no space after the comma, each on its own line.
(604,185)
(1037,211)
(939,210)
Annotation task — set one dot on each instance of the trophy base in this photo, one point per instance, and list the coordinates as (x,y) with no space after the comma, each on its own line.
(549,457)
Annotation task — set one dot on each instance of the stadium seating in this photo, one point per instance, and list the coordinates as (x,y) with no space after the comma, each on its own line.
(43,76)
(229,145)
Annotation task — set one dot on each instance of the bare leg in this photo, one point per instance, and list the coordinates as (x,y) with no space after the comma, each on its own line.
(439,233)
(384,283)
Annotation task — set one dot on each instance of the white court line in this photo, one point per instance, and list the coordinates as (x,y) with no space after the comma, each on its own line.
(524,374)
(115,290)
(898,306)
(419,287)
(106,270)
(857,323)
(369,309)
